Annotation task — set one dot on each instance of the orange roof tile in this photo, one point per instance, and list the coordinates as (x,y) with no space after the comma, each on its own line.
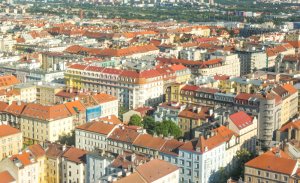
(8,80)
(273,163)
(155,169)
(6,130)
(124,134)
(37,150)
(111,119)
(6,177)
(75,155)
(24,158)
(97,127)
(104,98)
(134,177)
(46,112)
(148,141)
(16,108)
(75,107)
(241,119)
(290,88)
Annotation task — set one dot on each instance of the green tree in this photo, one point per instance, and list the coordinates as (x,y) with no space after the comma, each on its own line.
(149,124)
(68,139)
(243,156)
(166,128)
(135,120)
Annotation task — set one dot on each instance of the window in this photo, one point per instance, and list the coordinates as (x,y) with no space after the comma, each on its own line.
(285,178)
(267,174)
(249,179)
(258,172)
(276,176)
(69,173)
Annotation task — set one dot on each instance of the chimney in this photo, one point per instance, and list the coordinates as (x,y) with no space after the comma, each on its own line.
(64,147)
(198,110)
(194,109)
(132,157)
(19,103)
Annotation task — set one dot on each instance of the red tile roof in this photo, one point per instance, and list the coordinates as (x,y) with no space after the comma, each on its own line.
(149,142)
(97,127)
(273,163)
(48,113)
(8,80)
(290,88)
(16,108)
(295,124)
(24,158)
(124,134)
(75,155)
(75,106)
(104,98)
(6,177)
(243,96)
(6,130)
(155,169)
(241,119)
(111,119)
(222,135)
(37,150)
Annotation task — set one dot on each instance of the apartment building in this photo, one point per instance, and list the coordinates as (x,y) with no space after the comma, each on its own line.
(11,141)
(168,111)
(46,92)
(156,170)
(266,105)
(272,167)
(228,64)
(40,155)
(73,165)
(246,127)
(192,117)
(45,123)
(11,113)
(252,60)
(93,135)
(53,162)
(22,166)
(289,98)
(202,156)
(97,165)
(108,104)
(28,91)
(133,89)
(287,63)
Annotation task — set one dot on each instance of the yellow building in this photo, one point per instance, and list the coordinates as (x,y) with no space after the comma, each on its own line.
(241,85)
(54,154)
(289,97)
(46,93)
(27,91)
(40,156)
(10,141)
(192,117)
(45,123)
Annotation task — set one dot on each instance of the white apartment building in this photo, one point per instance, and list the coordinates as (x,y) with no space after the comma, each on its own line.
(246,127)
(133,89)
(73,165)
(23,167)
(93,135)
